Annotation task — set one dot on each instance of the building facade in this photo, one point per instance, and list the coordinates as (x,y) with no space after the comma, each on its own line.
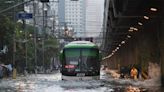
(74,15)
(94,17)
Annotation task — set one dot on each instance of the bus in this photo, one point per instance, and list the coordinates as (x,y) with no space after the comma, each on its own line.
(80,60)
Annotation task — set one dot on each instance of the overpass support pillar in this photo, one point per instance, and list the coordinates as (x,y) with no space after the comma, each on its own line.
(161,46)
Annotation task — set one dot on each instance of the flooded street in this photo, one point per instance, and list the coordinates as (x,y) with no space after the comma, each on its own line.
(53,83)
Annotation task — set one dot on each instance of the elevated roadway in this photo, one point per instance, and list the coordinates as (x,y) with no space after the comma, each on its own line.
(134,35)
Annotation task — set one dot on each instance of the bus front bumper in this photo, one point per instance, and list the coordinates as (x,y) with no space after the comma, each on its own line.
(80,78)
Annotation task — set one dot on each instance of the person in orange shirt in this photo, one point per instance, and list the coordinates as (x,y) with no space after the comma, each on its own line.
(134,73)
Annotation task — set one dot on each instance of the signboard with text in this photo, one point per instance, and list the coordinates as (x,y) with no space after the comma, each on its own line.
(24,15)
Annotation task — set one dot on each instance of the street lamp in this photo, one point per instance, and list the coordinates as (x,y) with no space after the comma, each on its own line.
(39,39)
(63,28)
(9,2)
(30,35)
(70,28)
(52,19)
(20,31)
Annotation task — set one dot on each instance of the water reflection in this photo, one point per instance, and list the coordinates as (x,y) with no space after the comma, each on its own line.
(53,83)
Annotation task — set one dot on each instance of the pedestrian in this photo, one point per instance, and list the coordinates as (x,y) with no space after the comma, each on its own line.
(134,73)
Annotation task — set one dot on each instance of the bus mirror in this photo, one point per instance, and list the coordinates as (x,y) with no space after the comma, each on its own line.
(61,56)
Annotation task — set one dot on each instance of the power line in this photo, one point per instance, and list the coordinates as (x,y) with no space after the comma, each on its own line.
(15,6)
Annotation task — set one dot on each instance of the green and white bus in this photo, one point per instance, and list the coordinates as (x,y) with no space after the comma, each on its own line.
(80,61)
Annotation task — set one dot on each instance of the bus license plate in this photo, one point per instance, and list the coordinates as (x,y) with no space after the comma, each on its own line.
(80,74)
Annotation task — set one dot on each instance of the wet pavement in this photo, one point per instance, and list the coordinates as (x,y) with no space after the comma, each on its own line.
(53,83)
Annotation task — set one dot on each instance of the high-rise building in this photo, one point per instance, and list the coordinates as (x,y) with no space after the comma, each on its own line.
(72,14)
(94,17)
(61,11)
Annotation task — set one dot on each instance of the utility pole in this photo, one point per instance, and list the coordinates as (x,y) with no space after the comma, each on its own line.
(53,24)
(43,34)
(14,46)
(35,33)
(25,42)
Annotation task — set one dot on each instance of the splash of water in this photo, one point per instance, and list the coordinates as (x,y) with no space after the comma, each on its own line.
(154,72)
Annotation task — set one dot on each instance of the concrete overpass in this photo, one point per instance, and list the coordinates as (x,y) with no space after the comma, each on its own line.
(134,34)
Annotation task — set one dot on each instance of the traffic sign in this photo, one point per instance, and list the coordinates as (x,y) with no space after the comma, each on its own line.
(24,15)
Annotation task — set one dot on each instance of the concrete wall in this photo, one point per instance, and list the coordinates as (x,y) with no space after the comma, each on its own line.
(161,45)
(140,49)
(144,48)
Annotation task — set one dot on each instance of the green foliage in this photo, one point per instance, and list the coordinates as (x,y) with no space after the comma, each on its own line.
(6,36)
(51,49)
(8,28)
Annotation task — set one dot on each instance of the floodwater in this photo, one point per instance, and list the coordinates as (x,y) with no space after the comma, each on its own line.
(53,83)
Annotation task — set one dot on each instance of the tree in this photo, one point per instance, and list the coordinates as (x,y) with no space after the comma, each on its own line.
(51,49)
(6,37)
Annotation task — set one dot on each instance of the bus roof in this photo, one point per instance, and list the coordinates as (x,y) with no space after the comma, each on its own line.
(80,44)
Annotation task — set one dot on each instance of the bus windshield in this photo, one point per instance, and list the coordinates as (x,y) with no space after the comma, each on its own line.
(86,58)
